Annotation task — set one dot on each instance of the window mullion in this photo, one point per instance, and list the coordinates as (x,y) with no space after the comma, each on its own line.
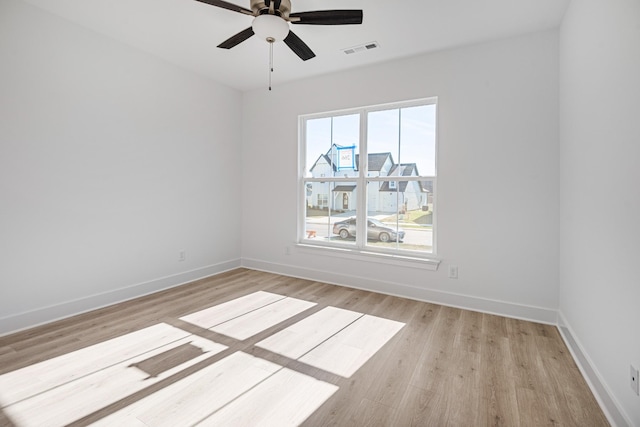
(361,213)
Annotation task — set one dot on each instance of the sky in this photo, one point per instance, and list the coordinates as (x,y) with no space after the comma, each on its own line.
(409,134)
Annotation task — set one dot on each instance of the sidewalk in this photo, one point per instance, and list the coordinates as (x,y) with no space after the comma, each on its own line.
(345,215)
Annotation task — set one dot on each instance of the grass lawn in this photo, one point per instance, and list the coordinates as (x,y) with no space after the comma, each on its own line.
(321,212)
(416,217)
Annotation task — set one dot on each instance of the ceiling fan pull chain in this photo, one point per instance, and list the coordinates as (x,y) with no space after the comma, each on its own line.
(270,62)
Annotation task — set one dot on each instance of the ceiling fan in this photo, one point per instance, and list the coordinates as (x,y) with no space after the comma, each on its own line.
(272,18)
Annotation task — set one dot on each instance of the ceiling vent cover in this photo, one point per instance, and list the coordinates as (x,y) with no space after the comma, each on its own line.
(361,48)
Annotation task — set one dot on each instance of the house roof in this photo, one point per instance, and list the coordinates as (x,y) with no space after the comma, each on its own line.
(376,161)
(326,158)
(344,188)
(403,169)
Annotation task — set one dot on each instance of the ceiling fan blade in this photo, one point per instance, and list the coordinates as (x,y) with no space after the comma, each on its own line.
(226,5)
(298,46)
(237,39)
(327,17)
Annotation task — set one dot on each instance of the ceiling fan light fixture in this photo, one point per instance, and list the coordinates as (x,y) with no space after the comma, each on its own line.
(270,28)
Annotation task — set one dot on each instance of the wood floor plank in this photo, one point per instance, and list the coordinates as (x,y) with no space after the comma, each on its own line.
(399,363)
(263,318)
(302,337)
(345,352)
(221,313)
(371,414)
(498,404)
(199,396)
(286,398)
(34,379)
(395,361)
(63,401)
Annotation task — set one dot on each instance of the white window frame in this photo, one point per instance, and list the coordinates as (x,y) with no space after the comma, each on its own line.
(361,250)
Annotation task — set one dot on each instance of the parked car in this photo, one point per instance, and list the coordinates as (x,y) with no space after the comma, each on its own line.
(375,230)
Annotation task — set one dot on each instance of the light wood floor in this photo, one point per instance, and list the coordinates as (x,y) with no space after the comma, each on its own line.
(250,348)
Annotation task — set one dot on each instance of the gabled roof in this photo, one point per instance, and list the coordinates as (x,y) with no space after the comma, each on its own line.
(376,161)
(326,158)
(403,169)
(344,188)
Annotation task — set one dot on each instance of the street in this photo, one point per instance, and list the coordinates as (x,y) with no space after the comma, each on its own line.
(415,238)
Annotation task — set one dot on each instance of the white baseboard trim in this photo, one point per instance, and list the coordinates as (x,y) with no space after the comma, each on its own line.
(612,410)
(29,319)
(501,308)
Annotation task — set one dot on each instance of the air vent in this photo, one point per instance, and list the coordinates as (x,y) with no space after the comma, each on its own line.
(361,48)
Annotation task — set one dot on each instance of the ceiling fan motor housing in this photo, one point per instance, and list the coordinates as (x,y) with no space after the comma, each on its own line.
(259,7)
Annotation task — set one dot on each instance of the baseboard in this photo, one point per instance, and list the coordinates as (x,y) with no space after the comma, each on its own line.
(501,308)
(29,319)
(611,409)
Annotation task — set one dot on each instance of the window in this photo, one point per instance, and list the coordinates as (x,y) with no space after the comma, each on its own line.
(368,179)
(323,201)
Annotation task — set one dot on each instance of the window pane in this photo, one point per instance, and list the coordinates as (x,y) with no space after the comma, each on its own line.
(330,205)
(382,141)
(418,138)
(400,215)
(332,146)
(403,136)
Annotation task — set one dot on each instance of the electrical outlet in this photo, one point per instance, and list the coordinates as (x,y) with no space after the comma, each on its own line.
(633,377)
(453,272)
(287,250)
(182,255)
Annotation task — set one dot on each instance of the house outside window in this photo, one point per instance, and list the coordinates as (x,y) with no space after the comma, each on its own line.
(368,179)
(323,201)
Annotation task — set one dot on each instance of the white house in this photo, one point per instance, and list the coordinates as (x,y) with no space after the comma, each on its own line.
(402,195)
(381,196)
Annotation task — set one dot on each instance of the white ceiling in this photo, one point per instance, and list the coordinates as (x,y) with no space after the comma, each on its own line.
(186,32)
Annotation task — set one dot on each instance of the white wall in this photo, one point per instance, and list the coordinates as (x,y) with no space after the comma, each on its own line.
(600,193)
(498,174)
(111,161)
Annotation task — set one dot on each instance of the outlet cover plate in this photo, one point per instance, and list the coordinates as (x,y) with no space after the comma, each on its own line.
(633,378)
(453,272)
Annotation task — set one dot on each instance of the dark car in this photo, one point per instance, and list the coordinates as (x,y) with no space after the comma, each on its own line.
(375,230)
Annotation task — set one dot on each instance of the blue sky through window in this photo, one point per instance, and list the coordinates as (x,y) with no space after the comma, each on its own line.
(414,126)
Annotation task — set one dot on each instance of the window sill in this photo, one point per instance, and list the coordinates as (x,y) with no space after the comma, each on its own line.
(376,257)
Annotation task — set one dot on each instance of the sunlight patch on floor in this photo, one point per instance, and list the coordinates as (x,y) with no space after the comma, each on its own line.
(304,336)
(247,316)
(335,340)
(63,389)
(220,313)
(344,353)
(238,390)
(287,398)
